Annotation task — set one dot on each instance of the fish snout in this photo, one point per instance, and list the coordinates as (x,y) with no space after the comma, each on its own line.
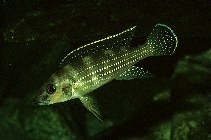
(42,100)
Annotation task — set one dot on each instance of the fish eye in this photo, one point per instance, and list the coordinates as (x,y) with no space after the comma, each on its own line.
(50,88)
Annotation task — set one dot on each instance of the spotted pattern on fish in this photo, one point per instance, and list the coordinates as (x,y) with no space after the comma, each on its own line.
(95,64)
(99,45)
(134,73)
(162,40)
(113,56)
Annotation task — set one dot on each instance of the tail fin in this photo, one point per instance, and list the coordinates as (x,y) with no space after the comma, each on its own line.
(162,40)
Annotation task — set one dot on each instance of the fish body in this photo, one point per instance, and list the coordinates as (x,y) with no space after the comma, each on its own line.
(95,64)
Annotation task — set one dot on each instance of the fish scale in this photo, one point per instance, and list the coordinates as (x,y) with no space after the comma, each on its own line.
(107,67)
(111,42)
(95,64)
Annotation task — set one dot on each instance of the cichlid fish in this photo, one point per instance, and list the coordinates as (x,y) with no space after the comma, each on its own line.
(95,64)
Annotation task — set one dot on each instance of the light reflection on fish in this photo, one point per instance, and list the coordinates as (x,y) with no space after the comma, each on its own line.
(93,65)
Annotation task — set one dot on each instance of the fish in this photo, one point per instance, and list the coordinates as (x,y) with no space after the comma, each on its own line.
(92,65)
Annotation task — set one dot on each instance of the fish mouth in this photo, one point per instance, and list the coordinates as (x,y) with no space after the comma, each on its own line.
(38,101)
(41,103)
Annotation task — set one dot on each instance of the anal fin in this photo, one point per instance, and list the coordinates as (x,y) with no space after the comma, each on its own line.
(134,73)
(90,103)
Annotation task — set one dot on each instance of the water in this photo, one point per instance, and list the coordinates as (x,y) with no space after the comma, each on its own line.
(35,36)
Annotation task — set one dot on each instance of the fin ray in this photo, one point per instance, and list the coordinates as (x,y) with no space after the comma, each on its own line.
(90,103)
(118,40)
(162,40)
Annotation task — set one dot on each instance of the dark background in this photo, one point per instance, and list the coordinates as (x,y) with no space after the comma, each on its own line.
(175,104)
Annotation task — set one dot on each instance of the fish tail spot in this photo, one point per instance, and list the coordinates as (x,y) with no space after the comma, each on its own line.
(162,40)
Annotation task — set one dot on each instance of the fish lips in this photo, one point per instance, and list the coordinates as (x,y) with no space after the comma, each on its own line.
(41,100)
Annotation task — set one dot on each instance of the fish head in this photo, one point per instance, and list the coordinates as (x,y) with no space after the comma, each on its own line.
(58,88)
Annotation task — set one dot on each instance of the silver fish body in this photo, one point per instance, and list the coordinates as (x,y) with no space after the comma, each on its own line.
(93,65)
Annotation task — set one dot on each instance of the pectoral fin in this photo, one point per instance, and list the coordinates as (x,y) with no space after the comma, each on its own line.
(134,73)
(90,103)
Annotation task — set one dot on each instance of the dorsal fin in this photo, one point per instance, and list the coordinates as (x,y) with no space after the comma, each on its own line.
(121,39)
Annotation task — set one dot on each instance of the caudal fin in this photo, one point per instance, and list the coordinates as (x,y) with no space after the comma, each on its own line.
(162,40)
